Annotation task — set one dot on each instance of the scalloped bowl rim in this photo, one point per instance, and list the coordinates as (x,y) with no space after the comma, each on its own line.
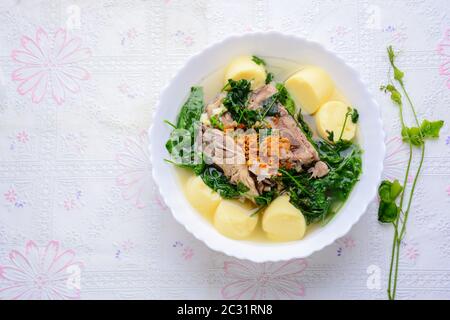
(371,129)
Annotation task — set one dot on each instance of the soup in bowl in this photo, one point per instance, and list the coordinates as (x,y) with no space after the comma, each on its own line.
(266,153)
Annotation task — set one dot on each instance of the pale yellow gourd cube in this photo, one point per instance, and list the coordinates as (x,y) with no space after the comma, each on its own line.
(331,117)
(202,197)
(235,219)
(310,88)
(282,221)
(245,68)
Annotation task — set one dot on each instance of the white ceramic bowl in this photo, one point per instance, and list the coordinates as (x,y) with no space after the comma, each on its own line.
(278,45)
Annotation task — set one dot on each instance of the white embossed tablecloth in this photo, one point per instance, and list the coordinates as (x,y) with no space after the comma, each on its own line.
(78,81)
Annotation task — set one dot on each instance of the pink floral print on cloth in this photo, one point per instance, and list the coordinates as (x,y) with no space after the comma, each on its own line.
(396,158)
(271,280)
(135,178)
(443,50)
(50,65)
(40,273)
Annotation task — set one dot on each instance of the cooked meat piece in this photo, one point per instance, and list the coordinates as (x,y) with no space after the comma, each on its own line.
(260,95)
(216,104)
(227,121)
(222,150)
(301,149)
(265,185)
(319,170)
(217,108)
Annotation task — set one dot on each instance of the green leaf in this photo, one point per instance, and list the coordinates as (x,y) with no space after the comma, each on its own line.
(216,123)
(236,102)
(387,212)
(285,98)
(304,126)
(199,168)
(269,77)
(391,54)
(242,188)
(182,137)
(384,191)
(216,180)
(396,97)
(412,135)
(398,74)
(266,198)
(342,145)
(258,61)
(330,135)
(355,115)
(389,191)
(191,110)
(431,129)
(396,189)
(318,199)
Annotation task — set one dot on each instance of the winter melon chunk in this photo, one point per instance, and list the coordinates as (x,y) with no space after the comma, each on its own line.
(282,221)
(235,219)
(331,118)
(245,68)
(310,88)
(202,197)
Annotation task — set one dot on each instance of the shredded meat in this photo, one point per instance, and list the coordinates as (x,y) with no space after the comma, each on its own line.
(243,158)
(225,118)
(222,150)
(301,149)
(319,170)
(217,103)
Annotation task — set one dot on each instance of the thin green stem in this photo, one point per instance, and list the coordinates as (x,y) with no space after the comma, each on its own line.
(269,107)
(413,187)
(419,168)
(394,246)
(394,291)
(343,126)
(400,235)
(410,103)
(408,167)
(392,284)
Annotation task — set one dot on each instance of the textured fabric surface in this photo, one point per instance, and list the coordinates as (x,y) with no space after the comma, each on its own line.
(79,214)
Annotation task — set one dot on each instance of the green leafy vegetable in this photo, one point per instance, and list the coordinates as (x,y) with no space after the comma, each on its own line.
(237,99)
(266,198)
(181,141)
(396,97)
(236,102)
(191,110)
(216,180)
(355,115)
(412,135)
(304,126)
(285,99)
(389,211)
(269,77)
(330,135)
(398,75)
(216,123)
(388,192)
(258,61)
(430,129)
(319,199)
